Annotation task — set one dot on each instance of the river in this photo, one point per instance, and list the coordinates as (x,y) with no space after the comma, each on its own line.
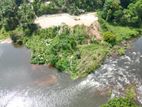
(25,85)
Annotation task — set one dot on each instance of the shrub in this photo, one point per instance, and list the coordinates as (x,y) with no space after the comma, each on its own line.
(121,51)
(120,102)
(110,38)
(29,28)
(16,36)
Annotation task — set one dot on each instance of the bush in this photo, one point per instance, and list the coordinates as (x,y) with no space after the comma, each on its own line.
(29,28)
(16,37)
(63,64)
(120,102)
(110,38)
(121,51)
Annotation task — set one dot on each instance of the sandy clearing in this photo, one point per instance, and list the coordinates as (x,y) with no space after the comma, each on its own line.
(47,21)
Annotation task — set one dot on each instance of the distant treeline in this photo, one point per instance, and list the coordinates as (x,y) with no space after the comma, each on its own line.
(124,12)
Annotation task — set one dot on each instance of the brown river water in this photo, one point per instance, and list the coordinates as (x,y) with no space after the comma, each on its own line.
(25,85)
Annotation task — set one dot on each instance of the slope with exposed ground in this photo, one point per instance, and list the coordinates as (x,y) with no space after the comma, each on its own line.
(90,20)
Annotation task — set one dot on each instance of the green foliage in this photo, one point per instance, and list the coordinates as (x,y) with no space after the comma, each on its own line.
(16,36)
(110,38)
(15,13)
(132,16)
(125,3)
(66,49)
(40,8)
(121,32)
(131,92)
(91,57)
(128,101)
(112,10)
(85,5)
(8,15)
(114,35)
(25,14)
(127,13)
(74,7)
(121,51)
(3,34)
(120,102)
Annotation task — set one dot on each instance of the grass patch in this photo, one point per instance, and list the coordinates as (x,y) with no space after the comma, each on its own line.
(91,58)
(121,33)
(117,36)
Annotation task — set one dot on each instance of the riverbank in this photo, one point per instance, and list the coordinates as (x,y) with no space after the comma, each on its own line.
(71,50)
(55,46)
(6,41)
(74,49)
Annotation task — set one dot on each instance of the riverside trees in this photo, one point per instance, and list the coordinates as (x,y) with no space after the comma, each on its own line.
(14,13)
(8,14)
(127,13)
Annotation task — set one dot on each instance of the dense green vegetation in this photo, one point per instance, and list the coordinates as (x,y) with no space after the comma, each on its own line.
(67,49)
(117,36)
(120,102)
(128,101)
(118,33)
(69,6)
(16,14)
(126,13)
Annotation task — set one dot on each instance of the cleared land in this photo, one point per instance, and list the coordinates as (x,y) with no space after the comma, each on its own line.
(47,21)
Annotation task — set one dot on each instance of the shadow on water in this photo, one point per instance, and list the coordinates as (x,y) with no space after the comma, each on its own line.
(26,85)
